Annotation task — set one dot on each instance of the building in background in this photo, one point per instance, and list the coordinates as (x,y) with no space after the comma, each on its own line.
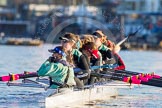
(37,18)
(146,13)
(27,18)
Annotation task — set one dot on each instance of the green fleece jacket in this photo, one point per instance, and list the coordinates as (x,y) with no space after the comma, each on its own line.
(57,72)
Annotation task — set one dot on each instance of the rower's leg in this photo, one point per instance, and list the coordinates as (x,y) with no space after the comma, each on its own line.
(92,80)
(79,83)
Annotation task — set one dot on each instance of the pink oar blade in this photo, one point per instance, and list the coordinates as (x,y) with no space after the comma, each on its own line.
(156,76)
(144,79)
(10,77)
(126,79)
(6,78)
(136,81)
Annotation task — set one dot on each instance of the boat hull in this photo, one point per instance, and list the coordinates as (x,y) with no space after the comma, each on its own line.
(71,98)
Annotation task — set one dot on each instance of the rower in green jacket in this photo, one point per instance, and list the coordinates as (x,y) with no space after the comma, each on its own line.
(58,69)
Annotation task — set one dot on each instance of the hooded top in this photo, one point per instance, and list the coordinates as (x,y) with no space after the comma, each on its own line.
(58,73)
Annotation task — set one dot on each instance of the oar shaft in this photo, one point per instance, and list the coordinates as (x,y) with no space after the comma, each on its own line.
(29,75)
(110,76)
(137,73)
(117,77)
(152,84)
(76,70)
(155,81)
(13,77)
(127,72)
(132,34)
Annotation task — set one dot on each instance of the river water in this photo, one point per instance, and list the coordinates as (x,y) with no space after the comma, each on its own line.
(16,59)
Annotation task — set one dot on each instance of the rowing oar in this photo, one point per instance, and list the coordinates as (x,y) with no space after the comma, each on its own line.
(152,78)
(109,66)
(148,75)
(13,77)
(151,82)
(136,76)
(131,34)
(129,79)
(118,45)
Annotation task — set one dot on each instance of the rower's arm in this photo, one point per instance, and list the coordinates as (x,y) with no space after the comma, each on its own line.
(109,54)
(105,51)
(120,62)
(51,69)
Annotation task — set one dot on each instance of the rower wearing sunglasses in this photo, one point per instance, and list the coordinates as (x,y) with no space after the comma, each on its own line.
(106,53)
(69,41)
(61,72)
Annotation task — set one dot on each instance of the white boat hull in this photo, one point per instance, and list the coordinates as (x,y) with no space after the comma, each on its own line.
(69,97)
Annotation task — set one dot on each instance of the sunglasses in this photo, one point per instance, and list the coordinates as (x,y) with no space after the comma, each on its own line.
(97,35)
(65,41)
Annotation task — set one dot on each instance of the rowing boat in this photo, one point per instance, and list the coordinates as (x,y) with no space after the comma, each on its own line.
(74,97)
(68,97)
(63,97)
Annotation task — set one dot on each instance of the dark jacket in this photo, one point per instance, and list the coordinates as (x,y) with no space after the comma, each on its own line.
(105,51)
(81,62)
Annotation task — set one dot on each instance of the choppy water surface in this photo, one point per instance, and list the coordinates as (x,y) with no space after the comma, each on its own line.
(16,59)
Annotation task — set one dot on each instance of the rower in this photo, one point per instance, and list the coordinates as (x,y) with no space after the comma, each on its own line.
(87,38)
(118,62)
(58,69)
(93,57)
(115,49)
(69,46)
(106,53)
(90,39)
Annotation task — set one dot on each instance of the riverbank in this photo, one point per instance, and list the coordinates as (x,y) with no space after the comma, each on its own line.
(140,46)
(21,41)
